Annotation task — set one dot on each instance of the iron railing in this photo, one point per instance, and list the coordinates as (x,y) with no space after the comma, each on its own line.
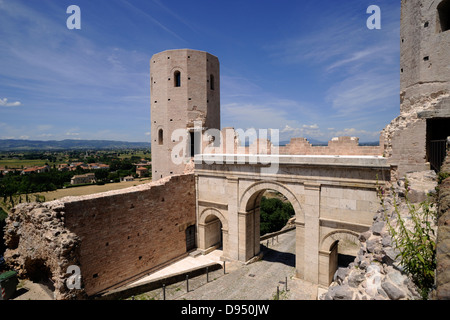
(438,150)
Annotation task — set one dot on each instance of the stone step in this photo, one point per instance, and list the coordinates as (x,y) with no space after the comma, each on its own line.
(195,253)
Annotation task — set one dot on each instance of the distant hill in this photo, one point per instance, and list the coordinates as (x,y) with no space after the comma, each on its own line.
(34,145)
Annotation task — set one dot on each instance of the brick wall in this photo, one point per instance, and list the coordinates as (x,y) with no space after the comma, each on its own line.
(409,148)
(117,235)
(344,146)
(126,234)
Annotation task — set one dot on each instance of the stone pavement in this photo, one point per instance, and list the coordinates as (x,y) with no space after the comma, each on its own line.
(255,281)
(185,264)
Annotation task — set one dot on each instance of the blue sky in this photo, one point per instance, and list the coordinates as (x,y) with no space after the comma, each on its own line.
(310,68)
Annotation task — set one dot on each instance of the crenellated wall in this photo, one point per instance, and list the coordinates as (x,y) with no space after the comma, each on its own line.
(338,146)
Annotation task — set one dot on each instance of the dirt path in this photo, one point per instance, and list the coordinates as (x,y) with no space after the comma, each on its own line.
(28,290)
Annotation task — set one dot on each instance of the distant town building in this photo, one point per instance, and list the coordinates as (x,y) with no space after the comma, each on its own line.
(141,171)
(5,170)
(127,178)
(83,179)
(98,166)
(36,169)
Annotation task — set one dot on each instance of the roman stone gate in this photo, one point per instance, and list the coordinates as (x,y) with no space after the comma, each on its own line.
(334,198)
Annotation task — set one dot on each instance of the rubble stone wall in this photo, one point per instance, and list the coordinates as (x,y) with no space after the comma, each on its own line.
(112,237)
(443,237)
(376,272)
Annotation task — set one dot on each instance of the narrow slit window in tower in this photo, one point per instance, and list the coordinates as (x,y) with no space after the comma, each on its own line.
(177,78)
(160,136)
(444,15)
(211,82)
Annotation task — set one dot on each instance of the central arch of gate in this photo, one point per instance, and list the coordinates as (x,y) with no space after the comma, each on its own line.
(334,198)
(249,215)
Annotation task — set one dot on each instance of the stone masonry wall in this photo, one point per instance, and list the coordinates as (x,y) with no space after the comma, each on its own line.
(112,237)
(348,146)
(443,237)
(376,273)
(343,146)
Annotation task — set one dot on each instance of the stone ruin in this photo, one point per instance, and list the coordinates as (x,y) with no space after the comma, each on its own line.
(41,248)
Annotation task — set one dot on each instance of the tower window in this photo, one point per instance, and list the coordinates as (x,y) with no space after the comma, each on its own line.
(177,79)
(211,82)
(444,15)
(160,136)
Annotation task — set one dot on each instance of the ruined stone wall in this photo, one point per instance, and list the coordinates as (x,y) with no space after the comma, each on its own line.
(348,146)
(342,146)
(424,84)
(443,237)
(113,236)
(376,272)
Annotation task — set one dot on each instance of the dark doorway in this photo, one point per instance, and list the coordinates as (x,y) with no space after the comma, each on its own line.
(194,143)
(190,238)
(40,273)
(444,15)
(437,132)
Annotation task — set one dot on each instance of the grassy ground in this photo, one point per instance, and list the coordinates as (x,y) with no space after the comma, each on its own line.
(18,164)
(85,190)
(76,191)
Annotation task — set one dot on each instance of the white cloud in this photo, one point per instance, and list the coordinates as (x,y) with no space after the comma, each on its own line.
(304,131)
(46,135)
(362,92)
(4,103)
(313,126)
(352,132)
(72,134)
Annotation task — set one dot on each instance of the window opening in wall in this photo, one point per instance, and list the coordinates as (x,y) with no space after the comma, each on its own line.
(192,143)
(160,136)
(444,15)
(194,148)
(177,78)
(211,82)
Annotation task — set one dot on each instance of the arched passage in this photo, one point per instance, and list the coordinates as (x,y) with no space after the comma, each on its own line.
(443,16)
(330,252)
(39,272)
(249,218)
(212,231)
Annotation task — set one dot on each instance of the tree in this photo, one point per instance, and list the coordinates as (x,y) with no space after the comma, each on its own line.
(274,214)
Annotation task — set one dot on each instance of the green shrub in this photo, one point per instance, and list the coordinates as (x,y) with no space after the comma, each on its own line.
(416,245)
(274,214)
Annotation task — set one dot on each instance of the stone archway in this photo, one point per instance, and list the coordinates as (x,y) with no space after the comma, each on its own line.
(248,220)
(328,254)
(212,231)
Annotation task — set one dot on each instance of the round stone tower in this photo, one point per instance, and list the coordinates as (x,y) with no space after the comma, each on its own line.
(185,90)
(415,140)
